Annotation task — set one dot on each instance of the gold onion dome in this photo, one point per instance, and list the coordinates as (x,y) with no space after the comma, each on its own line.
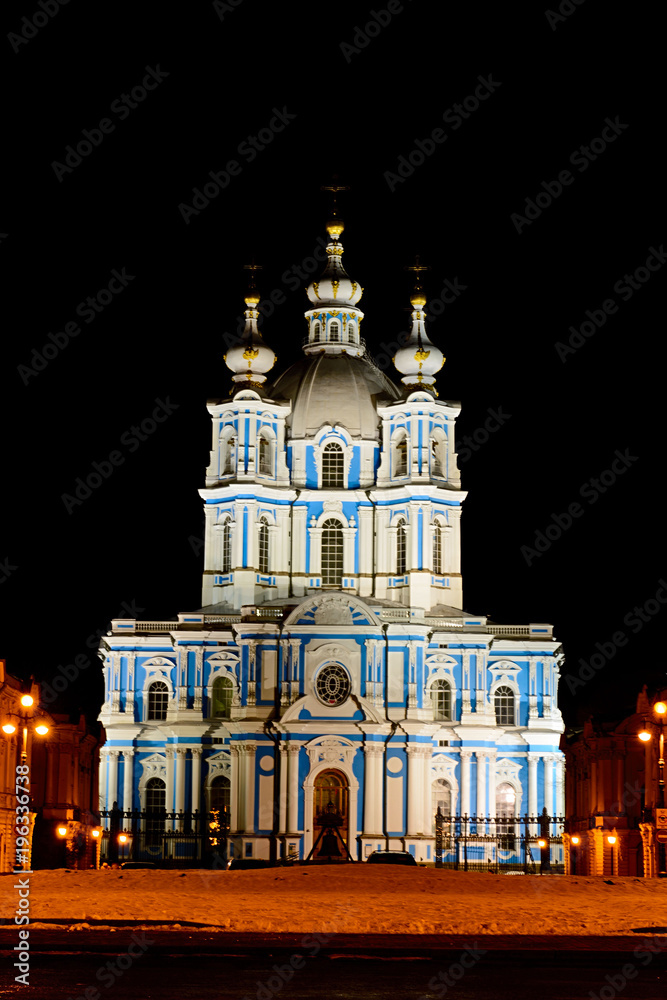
(419,359)
(251,358)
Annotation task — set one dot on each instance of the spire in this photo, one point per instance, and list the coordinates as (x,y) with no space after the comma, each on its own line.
(333,323)
(250,358)
(419,359)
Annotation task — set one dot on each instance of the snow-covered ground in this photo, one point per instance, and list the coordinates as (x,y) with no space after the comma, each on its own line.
(347,899)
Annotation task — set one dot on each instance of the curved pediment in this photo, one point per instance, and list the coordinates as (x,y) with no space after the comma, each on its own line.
(332,608)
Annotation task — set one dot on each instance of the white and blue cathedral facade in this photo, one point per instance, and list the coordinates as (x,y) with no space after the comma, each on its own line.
(331,660)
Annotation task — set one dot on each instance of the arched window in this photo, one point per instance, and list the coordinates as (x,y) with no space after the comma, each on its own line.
(265,464)
(230,456)
(227,547)
(158,700)
(401,456)
(441,696)
(263,546)
(504,706)
(350,333)
(156,800)
(221,698)
(332,553)
(401,548)
(505,813)
(316,332)
(219,799)
(437,548)
(333,473)
(441,798)
(333,333)
(438,445)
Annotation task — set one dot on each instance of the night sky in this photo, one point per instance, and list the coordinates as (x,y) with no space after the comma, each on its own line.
(239,92)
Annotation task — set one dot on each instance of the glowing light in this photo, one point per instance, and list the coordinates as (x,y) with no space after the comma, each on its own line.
(611,840)
(575,840)
(660,707)
(96,833)
(542,843)
(62,831)
(42,730)
(122,839)
(644,736)
(27,701)
(9,729)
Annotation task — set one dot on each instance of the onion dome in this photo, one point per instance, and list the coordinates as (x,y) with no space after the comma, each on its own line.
(334,320)
(419,359)
(251,358)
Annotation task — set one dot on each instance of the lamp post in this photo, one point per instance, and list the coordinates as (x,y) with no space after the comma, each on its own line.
(575,840)
(660,710)
(26,817)
(611,840)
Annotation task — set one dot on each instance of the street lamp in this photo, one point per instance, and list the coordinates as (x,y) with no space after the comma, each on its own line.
(660,709)
(575,841)
(23,779)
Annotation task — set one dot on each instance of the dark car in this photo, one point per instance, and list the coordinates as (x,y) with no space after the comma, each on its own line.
(239,863)
(391,858)
(137,864)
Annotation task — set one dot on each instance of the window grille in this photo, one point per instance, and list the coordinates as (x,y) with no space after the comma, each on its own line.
(441,695)
(333,473)
(401,548)
(437,549)
(156,800)
(219,800)
(222,692)
(333,333)
(263,547)
(227,547)
(230,455)
(158,700)
(505,813)
(265,456)
(316,332)
(332,553)
(333,684)
(401,457)
(504,705)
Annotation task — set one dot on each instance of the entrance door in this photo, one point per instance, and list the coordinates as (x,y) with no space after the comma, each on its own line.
(331,794)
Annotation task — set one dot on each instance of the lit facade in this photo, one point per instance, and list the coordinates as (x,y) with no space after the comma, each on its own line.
(331,659)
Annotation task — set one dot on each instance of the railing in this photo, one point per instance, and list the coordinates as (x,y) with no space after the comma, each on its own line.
(500,843)
(176,838)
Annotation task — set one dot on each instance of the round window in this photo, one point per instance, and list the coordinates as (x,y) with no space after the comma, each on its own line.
(332,685)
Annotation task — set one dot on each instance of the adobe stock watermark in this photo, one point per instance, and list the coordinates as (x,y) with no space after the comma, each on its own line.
(590,491)
(30,25)
(88,310)
(634,620)
(644,954)
(454,973)
(363,36)
(473,442)
(108,974)
(565,10)
(221,7)
(596,318)
(6,569)
(249,148)
(121,107)
(580,158)
(454,117)
(68,673)
(132,439)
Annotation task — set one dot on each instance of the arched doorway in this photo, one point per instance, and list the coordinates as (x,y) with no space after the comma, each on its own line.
(331,793)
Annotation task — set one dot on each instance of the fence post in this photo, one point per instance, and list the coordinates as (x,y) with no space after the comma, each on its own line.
(465,843)
(545,852)
(439,819)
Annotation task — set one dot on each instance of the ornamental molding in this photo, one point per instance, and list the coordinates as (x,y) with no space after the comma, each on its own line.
(219,764)
(508,770)
(330,750)
(154,766)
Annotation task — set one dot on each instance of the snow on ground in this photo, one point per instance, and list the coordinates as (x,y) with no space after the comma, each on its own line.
(347,899)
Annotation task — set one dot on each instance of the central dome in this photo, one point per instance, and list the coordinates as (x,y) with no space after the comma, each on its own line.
(334,389)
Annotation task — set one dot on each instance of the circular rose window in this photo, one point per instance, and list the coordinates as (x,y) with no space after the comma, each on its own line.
(332,685)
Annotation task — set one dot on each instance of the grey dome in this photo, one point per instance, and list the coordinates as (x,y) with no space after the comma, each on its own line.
(334,389)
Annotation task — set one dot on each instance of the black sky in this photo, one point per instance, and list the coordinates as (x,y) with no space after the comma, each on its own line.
(130,544)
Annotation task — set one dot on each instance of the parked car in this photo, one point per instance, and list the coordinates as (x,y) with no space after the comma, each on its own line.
(137,864)
(239,863)
(391,858)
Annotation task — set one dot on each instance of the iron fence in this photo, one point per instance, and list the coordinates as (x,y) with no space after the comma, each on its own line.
(500,843)
(177,838)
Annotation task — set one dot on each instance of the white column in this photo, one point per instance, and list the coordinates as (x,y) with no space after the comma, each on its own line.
(113,777)
(104,753)
(549,784)
(560,787)
(169,797)
(532,784)
(195,798)
(428,792)
(180,784)
(293,751)
(481,782)
(415,790)
(129,693)
(282,801)
(465,781)
(373,790)
(128,758)
(315,562)
(492,782)
(234,820)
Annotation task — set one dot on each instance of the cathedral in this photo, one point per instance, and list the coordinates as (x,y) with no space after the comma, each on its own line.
(331,669)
